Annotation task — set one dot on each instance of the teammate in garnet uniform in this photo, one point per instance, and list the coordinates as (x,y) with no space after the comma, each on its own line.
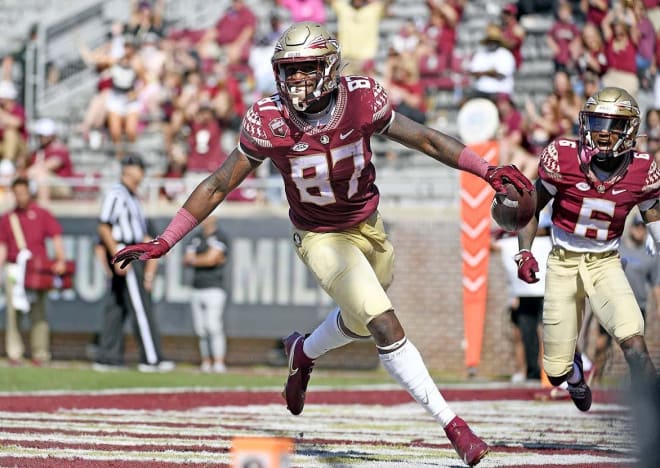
(316,130)
(594,182)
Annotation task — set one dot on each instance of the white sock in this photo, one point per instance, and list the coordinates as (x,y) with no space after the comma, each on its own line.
(577,375)
(586,363)
(405,364)
(325,337)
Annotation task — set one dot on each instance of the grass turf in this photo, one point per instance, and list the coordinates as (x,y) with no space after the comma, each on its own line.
(80,376)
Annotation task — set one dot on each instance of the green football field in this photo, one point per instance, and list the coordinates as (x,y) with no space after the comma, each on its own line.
(69,375)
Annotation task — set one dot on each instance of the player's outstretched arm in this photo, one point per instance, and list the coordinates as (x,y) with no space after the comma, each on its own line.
(527,264)
(450,151)
(201,202)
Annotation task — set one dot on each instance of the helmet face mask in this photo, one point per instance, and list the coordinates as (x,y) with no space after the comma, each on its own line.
(306,64)
(609,122)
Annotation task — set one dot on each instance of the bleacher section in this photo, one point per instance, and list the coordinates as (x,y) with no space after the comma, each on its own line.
(63,25)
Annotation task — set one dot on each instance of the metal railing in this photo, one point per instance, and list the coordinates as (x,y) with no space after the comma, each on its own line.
(57,45)
(439,187)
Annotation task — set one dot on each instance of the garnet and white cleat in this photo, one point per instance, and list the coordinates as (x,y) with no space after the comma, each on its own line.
(300,367)
(470,448)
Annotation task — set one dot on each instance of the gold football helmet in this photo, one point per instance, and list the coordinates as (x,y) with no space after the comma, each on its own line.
(609,122)
(309,48)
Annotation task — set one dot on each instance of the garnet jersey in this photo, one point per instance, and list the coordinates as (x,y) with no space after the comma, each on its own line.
(583,218)
(204,141)
(55,150)
(327,170)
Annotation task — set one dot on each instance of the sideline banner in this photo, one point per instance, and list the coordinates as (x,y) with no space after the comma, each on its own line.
(271,292)
(476,198)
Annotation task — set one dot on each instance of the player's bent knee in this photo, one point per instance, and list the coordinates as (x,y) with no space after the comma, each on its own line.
(354,327)
(633,330)
(363,334)
(635,342)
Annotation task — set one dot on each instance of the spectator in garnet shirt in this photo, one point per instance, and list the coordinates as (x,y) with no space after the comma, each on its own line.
(510,129)
(443,18)
(205,153)
(621,38)
(595,10)
(233,33)
(561,37)
(646,44)
(50,163)
(224,92)
(512,31)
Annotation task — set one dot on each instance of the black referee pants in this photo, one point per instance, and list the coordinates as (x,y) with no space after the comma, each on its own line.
(128,297)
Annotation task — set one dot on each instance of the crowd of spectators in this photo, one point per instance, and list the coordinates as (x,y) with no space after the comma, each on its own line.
(192,85)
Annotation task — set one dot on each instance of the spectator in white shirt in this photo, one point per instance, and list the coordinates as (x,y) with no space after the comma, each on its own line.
(492,65)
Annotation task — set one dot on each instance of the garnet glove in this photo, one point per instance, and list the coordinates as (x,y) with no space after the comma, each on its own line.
(527,266)
(142,251)
(497,176)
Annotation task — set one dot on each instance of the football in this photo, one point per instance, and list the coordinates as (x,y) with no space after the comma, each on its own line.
(514,210)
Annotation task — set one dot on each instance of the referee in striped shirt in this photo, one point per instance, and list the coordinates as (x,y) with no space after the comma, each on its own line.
(122,222)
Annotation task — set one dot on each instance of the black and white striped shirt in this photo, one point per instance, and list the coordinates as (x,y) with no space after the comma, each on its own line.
(122,211)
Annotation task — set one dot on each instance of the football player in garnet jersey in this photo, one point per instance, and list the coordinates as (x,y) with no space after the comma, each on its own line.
(594,183)
(316,130)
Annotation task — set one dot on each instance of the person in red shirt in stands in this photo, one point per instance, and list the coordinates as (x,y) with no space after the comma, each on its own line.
(512,31)
(510,129)
(224,92)
(50,163)
(561,36)
(621,36)
(205,153)
(443,18)
(595,10)
(233,33)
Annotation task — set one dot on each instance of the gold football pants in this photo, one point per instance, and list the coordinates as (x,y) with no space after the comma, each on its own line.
(571,278)
(354,266)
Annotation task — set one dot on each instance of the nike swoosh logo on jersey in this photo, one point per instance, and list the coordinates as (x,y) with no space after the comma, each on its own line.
(343,136)
(617,191)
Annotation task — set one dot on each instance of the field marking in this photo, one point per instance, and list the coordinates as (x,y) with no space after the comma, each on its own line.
(521,433)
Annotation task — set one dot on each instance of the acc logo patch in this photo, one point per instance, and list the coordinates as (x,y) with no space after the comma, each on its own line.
(582,186)
(279,127)
(300,147)
(296,239)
